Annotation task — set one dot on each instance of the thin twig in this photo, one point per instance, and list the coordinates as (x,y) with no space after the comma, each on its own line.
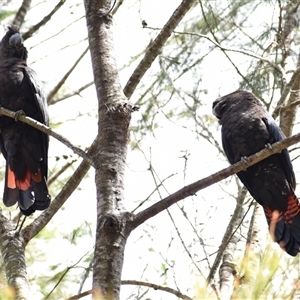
(225,53)
(156,287)
(58,33)
(60,171)
(201,241)
(248,53)
(186,250)
(155,47)
(77,92)
(155,190)
(64,274)
(139,283)
(86,275)
(37,26)
(81,295)
(63,80)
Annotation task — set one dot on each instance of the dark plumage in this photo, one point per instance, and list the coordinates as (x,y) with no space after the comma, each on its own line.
(246,129)
(24,148)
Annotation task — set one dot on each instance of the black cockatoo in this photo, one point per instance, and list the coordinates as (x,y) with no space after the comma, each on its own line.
(24,147)
(246,129)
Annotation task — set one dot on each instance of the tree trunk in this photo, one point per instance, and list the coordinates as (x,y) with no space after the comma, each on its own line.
(289,111)
(289,30)
(113,120)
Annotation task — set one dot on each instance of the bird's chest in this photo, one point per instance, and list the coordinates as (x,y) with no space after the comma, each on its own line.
(11,89)
(16,92)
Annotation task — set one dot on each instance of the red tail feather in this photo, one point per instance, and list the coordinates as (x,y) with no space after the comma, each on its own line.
(24,183)
(291,211)
(11,179)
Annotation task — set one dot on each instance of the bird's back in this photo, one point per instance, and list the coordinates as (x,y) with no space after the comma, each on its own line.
(24,147)
(247,128)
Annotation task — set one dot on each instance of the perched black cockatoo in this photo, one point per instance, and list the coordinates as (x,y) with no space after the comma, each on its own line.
(246,129)
(24,147)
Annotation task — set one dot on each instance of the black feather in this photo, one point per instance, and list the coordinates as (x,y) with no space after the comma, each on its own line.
(24,147)
(246,129)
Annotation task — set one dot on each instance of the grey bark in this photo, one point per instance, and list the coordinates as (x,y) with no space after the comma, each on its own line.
(288,34)
(109,156)
(288,114)
(114,223)
(114,113)
(13,254)
(289,30)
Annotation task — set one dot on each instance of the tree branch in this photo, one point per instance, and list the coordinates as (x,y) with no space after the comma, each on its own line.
(81,295)
(193,188)
(117,6)
(47,130)
(20,15)
(42,220)
(156,287)
(37,26)
(77,92)
(139,283)
(251,54)
(63,80)
(225,53)
(285,93)
(54,177)
(155,47)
